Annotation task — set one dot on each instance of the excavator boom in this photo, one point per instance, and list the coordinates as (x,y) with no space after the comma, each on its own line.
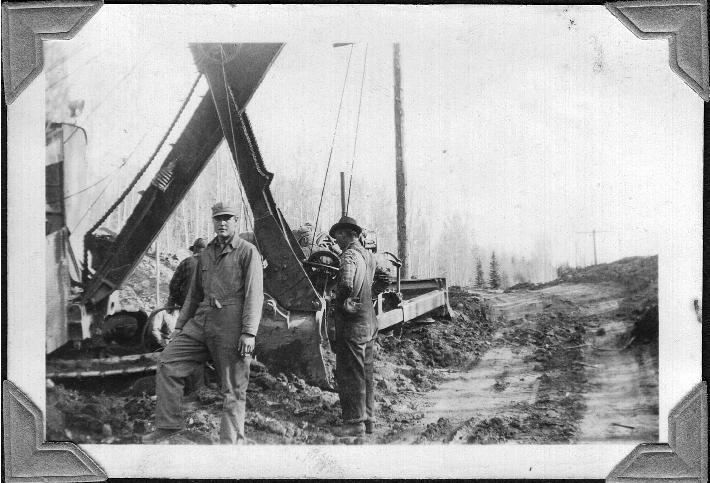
(183,164)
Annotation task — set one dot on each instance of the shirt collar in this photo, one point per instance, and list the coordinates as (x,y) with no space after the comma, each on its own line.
(232,241)
(354,244)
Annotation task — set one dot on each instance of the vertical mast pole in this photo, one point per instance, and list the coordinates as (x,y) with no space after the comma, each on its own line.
(400,171)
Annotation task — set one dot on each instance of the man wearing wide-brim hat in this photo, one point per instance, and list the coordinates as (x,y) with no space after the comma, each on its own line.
(180,282)
(220,318)
(178,287)
(355,330)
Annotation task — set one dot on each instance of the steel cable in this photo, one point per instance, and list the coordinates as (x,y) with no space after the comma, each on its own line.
(228,97)
(332,143)
(357,126)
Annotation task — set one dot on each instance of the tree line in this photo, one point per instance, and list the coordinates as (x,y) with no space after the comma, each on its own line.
(455,254)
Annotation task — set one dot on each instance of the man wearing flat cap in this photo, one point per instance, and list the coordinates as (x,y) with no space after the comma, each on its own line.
(220,318)
(355,330)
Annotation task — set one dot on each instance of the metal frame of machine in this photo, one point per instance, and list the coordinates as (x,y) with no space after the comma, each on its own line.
(292,333)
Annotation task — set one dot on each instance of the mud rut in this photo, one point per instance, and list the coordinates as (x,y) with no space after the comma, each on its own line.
(560,369)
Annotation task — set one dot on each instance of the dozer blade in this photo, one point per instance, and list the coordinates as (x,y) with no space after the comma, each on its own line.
(420,296)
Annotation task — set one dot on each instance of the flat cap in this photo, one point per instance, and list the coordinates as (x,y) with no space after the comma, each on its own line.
(223,209)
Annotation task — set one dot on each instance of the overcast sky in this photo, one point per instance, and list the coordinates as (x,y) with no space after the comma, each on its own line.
(531,122)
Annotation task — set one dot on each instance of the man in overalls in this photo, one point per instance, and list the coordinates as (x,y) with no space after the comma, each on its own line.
(220,317)
(355,330)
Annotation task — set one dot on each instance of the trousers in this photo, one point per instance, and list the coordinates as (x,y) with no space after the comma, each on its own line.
(354,373)
(196,380)
(186,353)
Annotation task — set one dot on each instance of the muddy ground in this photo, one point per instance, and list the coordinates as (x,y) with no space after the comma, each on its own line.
(283,408)
(570,361)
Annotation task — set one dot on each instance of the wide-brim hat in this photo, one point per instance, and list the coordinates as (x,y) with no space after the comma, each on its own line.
(199,244)
(345,222)
(223,209)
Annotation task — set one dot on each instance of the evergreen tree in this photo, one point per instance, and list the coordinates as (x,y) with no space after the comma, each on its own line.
(493,272)
(480,280)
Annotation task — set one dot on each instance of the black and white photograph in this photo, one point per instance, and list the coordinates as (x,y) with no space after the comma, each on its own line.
(453,230)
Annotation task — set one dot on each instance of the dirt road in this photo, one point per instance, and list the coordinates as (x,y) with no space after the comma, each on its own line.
(560,369)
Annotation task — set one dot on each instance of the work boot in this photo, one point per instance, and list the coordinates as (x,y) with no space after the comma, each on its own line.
(369,427)
(350,429)
(158,435)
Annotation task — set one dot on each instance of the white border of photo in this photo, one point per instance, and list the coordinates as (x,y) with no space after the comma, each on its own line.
(680,272)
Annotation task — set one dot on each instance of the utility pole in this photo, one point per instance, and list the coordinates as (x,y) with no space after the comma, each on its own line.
(594,240)
(344,210)
(400,171)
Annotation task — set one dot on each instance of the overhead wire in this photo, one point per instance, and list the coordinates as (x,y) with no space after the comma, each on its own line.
(115,86)
(97,182)
(229,99)
(90,208)
(241,195)
(357,126)
(74,71)
(332,143)
(152,157)
(125,161)
(67,55)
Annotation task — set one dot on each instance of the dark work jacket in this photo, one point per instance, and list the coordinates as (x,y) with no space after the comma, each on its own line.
(360,327)
(226,292)
(180,283)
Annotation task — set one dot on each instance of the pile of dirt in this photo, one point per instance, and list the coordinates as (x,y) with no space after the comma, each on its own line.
(84,417)
(458,343)
(556,338)
(142,281)
(498,429)
(634,273)
(638,276)
(524,286)
(436,432)
(280,410)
